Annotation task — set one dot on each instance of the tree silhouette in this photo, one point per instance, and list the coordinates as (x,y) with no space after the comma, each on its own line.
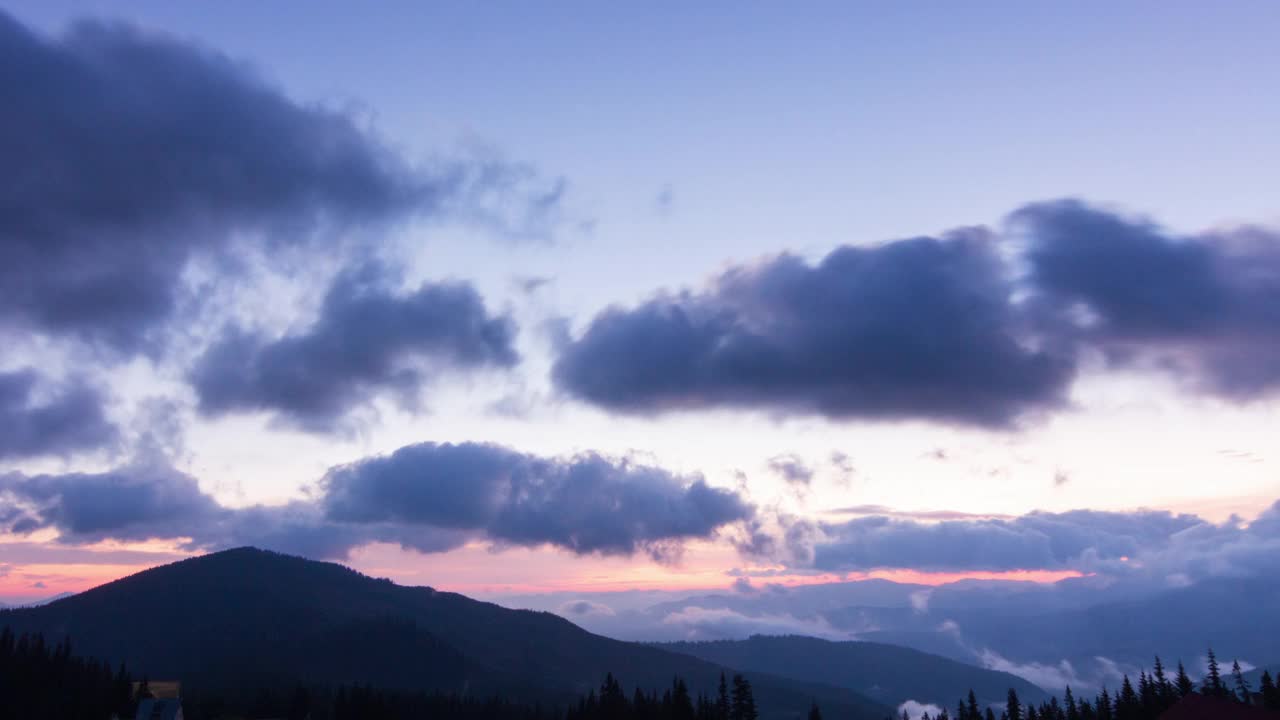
(744,702)
(1242,689)
(1183,683)
(1213,685)
(1013,708)
(1270,693)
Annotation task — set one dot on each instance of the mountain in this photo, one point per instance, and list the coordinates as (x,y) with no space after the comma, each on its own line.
(887,673)
(248,618)
(1083,632)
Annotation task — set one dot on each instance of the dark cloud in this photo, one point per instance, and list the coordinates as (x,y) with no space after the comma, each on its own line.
(128,153)
(969,328)
(59,421)
(142,502)
(585,504)
(1153,542)
(792,469)
(1205,306)
(130,503)
(367,340)
(427,497)
(919,328)
(584,608)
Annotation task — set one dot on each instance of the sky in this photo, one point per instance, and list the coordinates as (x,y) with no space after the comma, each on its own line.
(515,298)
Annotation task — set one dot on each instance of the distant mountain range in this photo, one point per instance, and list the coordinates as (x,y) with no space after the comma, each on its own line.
(248,618)
(36,603)
(1084,632)
(888,673)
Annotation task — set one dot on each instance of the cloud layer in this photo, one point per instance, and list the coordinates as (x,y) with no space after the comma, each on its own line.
(585,504)
(129,153)
(975,327)
(367,340)
(1169,547)
(919,328)
(67,419)
(427,497)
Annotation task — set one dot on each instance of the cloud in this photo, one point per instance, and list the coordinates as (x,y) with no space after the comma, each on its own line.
(916,710)
(366,340)
(974,327)
(585,504)
(918,328)
(1205,306)
(31,553)
(699,623)
(844,468)
(886,511)
(585,608)
(792,469)
(57,421)
(1052,677)
(128,153)
(428,497)
(920,601)
(130,503)
(1145,542)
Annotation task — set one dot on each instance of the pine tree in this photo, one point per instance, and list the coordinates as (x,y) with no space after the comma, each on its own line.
(1073,711)
(1213,685)
(744,703)
(681,703)
(1164,688)
(1183,683)
(1148,694)
(975,713)
(1243,691)
(1012,707)
(1128,706)
(722,700)
(814,712)
(1270,693)
(1104,706)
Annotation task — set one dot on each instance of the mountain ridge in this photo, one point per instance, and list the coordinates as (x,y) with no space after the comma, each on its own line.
(247,616)
(889,673)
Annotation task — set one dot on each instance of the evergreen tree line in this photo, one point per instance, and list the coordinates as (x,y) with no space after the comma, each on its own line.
(1154,693)
(38,680)
(732,701)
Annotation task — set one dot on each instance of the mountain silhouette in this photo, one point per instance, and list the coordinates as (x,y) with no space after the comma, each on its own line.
(248,618)
(888,673)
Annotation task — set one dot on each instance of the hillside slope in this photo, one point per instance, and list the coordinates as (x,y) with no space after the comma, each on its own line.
(888,673)
(246,617)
